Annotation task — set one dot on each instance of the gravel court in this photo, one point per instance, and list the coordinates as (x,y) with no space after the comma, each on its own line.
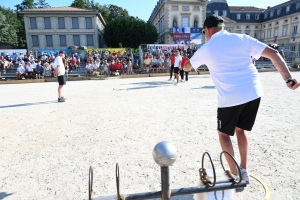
(47,147)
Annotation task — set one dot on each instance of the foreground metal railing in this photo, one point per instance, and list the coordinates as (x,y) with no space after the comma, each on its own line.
(164,154)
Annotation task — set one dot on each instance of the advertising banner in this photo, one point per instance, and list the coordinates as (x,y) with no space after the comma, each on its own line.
(165,46)
(187,35)
(106,51)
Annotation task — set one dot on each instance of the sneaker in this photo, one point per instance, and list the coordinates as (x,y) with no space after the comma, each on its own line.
(175,84)
(170,79)
(245,175)
(61,100)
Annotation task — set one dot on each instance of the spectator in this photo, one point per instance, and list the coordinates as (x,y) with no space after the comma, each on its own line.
(20,72)
(95,66)
(182,72)
(88,69)
(124,66)
(168,63)
(39,70)
(14,58)
(21,56)
(73,63)
(147,63)
(161,64)
(47,70)
(6,65)
(29,70)
(129,68)
(77,59)
(112,66)
(173,56)
(119,65)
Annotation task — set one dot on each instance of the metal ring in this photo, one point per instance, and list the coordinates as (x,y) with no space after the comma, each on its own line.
(118,182)
(213,167)
(90,182)
(240,173)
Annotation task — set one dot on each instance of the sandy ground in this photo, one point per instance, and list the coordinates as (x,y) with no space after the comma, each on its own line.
(47,147)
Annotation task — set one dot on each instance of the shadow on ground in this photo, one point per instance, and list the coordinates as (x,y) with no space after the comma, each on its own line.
(28,104)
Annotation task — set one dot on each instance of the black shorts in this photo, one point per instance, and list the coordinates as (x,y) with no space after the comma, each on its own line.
(61,80)
(241,116)
(154,66)
(176,70)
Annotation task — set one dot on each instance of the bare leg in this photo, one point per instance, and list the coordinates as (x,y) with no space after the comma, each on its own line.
(60,88)
(243,143)
(177,78)
(226,145)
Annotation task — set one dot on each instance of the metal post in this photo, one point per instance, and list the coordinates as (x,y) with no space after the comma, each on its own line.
(165,184)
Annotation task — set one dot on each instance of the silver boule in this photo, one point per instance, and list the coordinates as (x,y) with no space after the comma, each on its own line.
(164,154)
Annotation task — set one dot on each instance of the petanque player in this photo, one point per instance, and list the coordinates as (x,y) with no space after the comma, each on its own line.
(228,57)
(60,74)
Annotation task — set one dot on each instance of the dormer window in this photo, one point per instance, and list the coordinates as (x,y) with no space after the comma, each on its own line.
(271,14)
(279,11)
(216,12)
(224,12)
(287,8)
(298,6)
(248,16)
(238,16)
(257,17)
(266,15)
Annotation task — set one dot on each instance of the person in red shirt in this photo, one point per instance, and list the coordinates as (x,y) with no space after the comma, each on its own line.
(119,65)
(112,66)
(172,64)
(184,60)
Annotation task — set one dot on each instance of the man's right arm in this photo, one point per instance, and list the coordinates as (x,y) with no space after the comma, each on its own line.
(280,65)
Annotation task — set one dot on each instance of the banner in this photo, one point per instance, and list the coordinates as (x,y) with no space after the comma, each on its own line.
(187,35)
(106,51)
(182,36)
(165,46)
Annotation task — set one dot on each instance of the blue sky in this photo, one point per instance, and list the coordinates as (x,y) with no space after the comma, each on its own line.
(143,8)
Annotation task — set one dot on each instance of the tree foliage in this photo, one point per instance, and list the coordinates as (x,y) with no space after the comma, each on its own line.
(8,26)
(43,4)
(129,32)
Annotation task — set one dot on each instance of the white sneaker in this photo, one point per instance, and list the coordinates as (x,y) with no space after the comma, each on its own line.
(245,175)
(170,79)
(175,84)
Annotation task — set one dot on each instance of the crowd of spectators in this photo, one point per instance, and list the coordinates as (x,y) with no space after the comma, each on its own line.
(159,60)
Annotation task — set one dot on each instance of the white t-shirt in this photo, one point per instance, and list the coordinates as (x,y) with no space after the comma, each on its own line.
(177,59)
(58,62)
(29,68)
(228,57)
(88,67)
(21,70)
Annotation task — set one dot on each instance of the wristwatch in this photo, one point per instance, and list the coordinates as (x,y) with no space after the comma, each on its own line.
(290,80)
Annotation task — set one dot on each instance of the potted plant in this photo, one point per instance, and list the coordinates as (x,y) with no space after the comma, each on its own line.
(295,65)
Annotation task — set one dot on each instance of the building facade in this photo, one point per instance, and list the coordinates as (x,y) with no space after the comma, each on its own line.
(277,24)
(169,14)
(61,27)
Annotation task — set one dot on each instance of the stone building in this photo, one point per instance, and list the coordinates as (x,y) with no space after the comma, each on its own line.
(61,27)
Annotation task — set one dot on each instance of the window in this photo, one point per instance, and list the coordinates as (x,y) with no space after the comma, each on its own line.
(264,26)
(76,40)
(75,22)
(35,40)
(295,18)
(266,15)
(257,17)
(294,29)
(269,34)
(185,22)
(63,40)
(255,35)
(88,22)
(196,23)
(293,48)
(286,21)
(47,22)
(276,32)
(238,27)
(247,27)
(288,9)
(185,8)
(248,16)
(174,8)
(224,12)
(270,25)
(256,27)
(174,23)
(279,11)
(90,40)
(238,16)
(61,22)
(49,42)
(298,6)
(284,33)
(262,35)
(196,8)
(271,14)
(32,22)
(277,23)
(216,12)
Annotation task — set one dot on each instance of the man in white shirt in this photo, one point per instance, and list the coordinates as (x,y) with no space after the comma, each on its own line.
(60,74)
(20,72)
(228,57)
(177,64)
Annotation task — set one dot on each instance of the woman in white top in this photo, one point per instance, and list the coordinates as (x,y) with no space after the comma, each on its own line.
(88,68)
(129,68)
(95,66)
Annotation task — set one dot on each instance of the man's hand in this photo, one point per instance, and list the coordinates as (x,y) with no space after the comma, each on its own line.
(297,84)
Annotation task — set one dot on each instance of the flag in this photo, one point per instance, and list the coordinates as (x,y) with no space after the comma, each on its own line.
(275,38)
(293,36)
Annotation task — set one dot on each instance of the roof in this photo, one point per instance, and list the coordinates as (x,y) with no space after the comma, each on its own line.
(245,9)
(62,8)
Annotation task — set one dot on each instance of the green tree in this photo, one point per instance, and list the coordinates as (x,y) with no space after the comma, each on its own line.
(129,32)
(8,26)
(42,4)
(26,4)
(80,3)
(117,12)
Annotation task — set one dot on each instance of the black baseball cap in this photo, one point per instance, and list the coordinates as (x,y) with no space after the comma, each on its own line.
(61,52)
(213,21)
